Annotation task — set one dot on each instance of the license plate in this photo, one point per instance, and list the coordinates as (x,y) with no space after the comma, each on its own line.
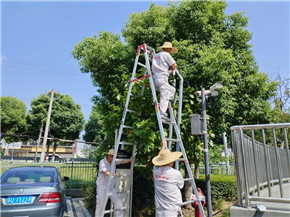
(19,200)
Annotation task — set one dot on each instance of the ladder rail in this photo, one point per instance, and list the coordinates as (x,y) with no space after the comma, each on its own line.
(129,196)
(154,95)
(187,165)
(179,98)
(113,164)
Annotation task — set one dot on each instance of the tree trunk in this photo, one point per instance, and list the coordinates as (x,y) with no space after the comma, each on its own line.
(187,191)
(47,150)
(53,153)
(196,171)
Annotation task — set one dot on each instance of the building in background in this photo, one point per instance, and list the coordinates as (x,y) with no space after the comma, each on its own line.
(20,149)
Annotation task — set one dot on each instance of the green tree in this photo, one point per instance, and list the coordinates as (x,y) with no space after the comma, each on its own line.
(13,117)
(283,94)
(94,131)
(66,117)
(212,47)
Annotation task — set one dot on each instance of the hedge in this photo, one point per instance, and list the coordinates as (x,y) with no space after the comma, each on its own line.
(222,187)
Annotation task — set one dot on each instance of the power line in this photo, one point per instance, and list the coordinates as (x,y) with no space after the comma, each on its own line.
(49,138)
(42,70)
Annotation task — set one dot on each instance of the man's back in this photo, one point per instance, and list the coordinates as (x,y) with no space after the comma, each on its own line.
(168,183)
(161,63)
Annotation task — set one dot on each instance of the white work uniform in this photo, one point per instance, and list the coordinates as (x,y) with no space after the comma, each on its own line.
(160,66)
(102,181)
(167,182)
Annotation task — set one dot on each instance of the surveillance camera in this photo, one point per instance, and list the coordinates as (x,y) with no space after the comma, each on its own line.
(206,93)
(217,86)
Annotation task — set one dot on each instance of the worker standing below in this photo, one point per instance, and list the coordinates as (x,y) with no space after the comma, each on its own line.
(167,182)
(102,181)
(162,66)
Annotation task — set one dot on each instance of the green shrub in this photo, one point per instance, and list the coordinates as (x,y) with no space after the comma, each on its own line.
(217,204)
(143,193)
(222,187)
(90,197)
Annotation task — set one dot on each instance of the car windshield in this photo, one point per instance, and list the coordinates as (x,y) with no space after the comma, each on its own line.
(28,175)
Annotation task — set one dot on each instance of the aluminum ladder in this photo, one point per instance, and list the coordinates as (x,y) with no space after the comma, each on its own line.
(173,126)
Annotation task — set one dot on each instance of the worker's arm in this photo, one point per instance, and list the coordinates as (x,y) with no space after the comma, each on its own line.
(174,66)
(132,159)
(171,68)
(107,173)
(163,145)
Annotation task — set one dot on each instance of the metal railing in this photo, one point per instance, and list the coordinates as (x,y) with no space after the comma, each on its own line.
(80,171)
(218,169)
(260,163)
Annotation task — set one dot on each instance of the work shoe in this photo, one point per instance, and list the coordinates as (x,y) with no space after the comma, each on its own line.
(166,119)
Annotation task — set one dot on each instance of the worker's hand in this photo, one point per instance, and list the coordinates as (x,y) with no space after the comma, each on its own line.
(171,71)
(133,159)
(117,174)
(163,144)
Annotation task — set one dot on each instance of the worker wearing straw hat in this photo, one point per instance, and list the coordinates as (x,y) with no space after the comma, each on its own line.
(162,66)
(167,182)
(103,179)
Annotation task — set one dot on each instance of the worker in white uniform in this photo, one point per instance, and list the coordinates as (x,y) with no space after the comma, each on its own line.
(162,66)
(167,182)
(102,181)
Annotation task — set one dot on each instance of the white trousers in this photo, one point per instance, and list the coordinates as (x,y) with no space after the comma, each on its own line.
(166,213)
(166,93)
(101,192)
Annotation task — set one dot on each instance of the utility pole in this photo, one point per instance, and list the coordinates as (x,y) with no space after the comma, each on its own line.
(226,153)
(206,154)
(201,129)
(38,141)
(46,127)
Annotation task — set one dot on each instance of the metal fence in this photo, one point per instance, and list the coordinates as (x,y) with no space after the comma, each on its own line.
(80,171)
(219,169)
(261,162)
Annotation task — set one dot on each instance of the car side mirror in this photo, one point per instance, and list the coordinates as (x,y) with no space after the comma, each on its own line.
(65,178)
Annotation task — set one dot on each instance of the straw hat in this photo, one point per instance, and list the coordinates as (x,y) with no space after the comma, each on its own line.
(111,152)
(166,157)
(169,45)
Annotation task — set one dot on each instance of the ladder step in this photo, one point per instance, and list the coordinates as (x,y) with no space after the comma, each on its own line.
(112,210)
(165,122)
(140,78)
(190,201)
(121,192)
(140,64)
(172,140)
(127,143)
(127,127)
(132,111)
(188,179)
(123,159)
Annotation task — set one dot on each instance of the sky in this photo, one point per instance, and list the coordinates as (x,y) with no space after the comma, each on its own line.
(37,39)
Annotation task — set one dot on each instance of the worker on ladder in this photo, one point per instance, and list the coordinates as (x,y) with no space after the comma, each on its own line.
(102,180)
(167,182)
(162,66)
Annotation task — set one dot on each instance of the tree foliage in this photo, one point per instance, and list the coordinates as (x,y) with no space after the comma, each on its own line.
(212,47)
(13,116)
(94,131)
(66,117)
